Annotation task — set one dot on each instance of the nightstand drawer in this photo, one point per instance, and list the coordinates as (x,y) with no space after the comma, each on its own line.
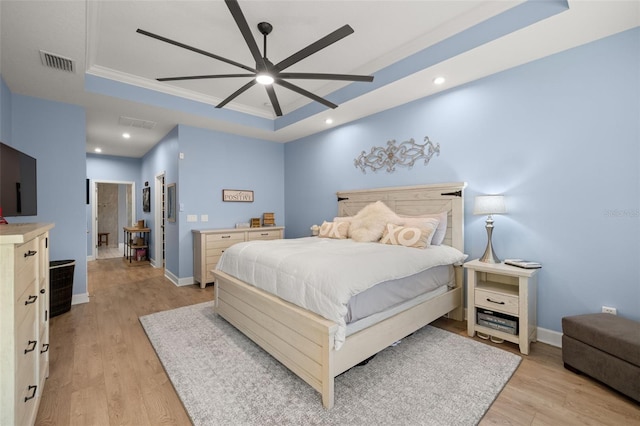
(497,301)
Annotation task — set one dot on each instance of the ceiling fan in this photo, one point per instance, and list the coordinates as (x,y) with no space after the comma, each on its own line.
(265,72)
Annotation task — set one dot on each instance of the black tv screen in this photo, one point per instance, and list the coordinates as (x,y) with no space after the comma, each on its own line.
(18,183)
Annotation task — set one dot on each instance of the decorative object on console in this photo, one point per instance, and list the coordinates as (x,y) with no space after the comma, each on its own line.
(255,222)
(404,154)
(489,205)
(268,219)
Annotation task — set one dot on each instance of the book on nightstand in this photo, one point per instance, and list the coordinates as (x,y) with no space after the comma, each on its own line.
(521,263)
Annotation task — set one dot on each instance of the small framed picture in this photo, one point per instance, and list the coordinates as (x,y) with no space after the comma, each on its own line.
(146,199)
(171,202)
(238,195)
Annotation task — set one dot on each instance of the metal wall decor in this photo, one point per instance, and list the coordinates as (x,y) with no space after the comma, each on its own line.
(404,154)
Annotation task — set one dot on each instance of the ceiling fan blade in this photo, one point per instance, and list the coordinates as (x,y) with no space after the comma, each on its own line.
(236,93)
(274,99)
(194,49)
(306,93)
(199,77)
(325,41)
(317,76)
(242,24)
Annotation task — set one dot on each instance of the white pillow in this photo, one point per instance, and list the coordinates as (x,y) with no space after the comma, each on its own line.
(439,234)
(368,225)
(408,236)
(336,230)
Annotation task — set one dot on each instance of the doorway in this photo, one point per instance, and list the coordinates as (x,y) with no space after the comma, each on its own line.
(112,209)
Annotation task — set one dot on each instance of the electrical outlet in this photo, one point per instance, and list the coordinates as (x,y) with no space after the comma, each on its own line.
(609,310)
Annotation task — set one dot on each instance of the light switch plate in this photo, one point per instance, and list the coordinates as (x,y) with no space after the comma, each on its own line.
(192,218)
(204,218)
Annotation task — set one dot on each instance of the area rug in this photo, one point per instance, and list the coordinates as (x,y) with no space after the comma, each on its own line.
(432,377)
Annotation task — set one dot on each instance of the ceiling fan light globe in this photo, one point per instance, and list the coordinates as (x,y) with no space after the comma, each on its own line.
(265,79)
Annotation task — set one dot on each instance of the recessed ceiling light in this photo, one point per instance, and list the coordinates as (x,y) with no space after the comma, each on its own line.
(438,80)
(98,150)
(328,121)
(126,135)
(264,79)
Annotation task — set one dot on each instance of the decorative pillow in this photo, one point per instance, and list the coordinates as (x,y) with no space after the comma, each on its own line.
(343,219)
(439,234)
(408,236)
(368,225)
(337,230)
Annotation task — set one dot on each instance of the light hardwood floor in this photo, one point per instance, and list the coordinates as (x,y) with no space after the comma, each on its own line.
(104,371)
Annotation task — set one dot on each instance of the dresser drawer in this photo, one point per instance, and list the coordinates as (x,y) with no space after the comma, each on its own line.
(25,265)
(27,302)
(233,237)
(497,301)
(264,235)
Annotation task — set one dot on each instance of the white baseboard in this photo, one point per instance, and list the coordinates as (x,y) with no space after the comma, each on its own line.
(78,299)
(550,337)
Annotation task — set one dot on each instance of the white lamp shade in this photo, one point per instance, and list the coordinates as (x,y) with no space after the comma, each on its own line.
(489,204)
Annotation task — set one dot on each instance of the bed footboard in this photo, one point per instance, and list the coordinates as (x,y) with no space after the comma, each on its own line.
(299,339)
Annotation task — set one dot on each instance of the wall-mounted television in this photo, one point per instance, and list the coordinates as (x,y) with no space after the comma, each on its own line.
(18,183)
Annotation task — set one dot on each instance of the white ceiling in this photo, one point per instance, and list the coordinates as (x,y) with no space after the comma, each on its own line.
(100,37)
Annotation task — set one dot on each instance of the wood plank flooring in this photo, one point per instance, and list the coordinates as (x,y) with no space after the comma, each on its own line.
(104,371)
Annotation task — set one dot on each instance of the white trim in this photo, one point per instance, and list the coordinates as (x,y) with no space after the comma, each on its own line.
(550,337)
(171,277)
(158,230)
(78,299)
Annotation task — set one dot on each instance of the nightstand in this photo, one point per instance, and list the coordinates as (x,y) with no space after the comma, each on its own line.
(506,293)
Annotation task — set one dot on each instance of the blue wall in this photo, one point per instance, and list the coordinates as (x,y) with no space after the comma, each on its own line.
(212,161)
(163,158)
(54,133)
(559,137)
(5,112)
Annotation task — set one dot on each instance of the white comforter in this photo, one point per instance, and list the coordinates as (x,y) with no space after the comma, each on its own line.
(321,274)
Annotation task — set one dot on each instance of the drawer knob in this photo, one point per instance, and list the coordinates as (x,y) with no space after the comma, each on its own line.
(33,393)
(495,301)
(30,253)
(31,300)
(31,346)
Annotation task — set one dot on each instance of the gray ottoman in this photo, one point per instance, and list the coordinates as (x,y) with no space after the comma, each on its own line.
(605,347)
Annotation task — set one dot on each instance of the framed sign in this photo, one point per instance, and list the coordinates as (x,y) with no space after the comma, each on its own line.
(237,195)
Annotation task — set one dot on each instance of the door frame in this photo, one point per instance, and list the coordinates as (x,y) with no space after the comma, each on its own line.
(94,209)
(160,218)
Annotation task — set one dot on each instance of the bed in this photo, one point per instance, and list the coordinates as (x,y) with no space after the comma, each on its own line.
(306,342)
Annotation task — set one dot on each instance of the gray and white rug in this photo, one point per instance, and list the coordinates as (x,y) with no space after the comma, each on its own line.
(432,377)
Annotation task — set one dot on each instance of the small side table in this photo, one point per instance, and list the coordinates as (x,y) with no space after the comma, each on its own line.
(507,290)
(103,237)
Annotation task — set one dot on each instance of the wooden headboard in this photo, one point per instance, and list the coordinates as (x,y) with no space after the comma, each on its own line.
(414,201)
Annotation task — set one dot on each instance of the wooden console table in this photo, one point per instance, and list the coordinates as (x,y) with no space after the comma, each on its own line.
(136,245)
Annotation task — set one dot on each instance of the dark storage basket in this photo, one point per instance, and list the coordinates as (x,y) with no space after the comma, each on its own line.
(61,286)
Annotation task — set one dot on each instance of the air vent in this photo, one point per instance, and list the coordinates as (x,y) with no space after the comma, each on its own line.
(136,122)
(58,62)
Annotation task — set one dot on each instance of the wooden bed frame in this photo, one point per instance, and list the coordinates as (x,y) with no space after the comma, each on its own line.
(302,340)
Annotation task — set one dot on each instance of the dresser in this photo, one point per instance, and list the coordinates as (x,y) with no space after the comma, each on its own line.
(209,244)
(24,320)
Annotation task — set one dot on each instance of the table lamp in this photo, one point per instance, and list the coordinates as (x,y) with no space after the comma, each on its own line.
(489,205)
